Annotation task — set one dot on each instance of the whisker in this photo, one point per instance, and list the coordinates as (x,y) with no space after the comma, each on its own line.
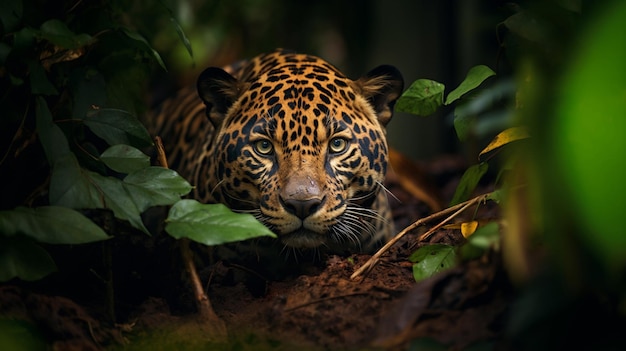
(388,191)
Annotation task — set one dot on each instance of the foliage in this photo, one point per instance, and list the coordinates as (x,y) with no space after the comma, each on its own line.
(589,145)
(212,224)
(432,259)
(77,75)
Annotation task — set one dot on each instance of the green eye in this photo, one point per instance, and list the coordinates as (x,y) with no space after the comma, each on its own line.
(338,145)
(263,147)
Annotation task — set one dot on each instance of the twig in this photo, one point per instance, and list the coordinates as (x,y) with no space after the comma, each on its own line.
(158,143)
(455,210)
(217,327)
(207,314)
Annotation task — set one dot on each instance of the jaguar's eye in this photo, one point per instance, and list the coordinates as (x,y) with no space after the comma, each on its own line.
(263,147)
(338,145)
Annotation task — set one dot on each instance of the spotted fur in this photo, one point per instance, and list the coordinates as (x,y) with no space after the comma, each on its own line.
(291,140)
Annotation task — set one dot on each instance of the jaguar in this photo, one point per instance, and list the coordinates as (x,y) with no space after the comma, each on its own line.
(290,139)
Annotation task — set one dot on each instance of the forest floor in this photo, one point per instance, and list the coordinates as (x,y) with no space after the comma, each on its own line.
(308,303)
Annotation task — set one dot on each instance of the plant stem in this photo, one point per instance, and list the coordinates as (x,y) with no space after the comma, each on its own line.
(457,209)
(207,314)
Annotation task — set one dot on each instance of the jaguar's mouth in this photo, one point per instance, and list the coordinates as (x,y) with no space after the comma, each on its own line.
(303,238)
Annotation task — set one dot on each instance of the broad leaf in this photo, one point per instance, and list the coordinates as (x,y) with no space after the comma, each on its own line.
(432,259)
(118,127)
(505,137)
(52,139)
(422,98)
(74,187)
(71,185)
(474,78)
(463,122)
(56,32)
(212,224)
(22,258)
(486,236)
(468,182)
(182,36)
(124,158)
(50,224)
(154,186)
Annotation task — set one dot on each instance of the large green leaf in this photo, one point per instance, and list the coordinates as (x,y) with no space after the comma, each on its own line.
(124,158)
(154,186)
(474,78)
(468,182)
(74,187)
(422,98)
(22,258)
(52,139)
(118,127)
(463,122)
(56,32)
(50,224)
(432,259)
(212,224)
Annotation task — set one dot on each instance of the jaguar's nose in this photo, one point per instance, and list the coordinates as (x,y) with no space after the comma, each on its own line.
(302,208)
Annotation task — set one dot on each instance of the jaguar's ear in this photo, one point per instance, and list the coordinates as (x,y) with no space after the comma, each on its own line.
(218,90)
(382,86)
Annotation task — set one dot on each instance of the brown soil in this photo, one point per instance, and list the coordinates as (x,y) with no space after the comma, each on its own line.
(309,302)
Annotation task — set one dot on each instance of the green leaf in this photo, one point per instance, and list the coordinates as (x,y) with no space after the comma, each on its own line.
(22,258)
(52,139)
(118,127)
(182,36)
(468,182)
(74,187)
(154,186)
(496,196)
(56,32)
(212,224)
(50,224)
(528,26)
(24,39)
(474,78)
(463,122)
(71,186)
(486,236)
(39,83)
(117,198)
(124,158)
(422,98)
(144,43)
(432,259)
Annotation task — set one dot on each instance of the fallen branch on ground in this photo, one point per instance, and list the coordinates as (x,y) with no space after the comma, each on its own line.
(455,210)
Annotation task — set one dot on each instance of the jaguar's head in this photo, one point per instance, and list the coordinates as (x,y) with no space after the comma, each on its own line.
(301,146)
